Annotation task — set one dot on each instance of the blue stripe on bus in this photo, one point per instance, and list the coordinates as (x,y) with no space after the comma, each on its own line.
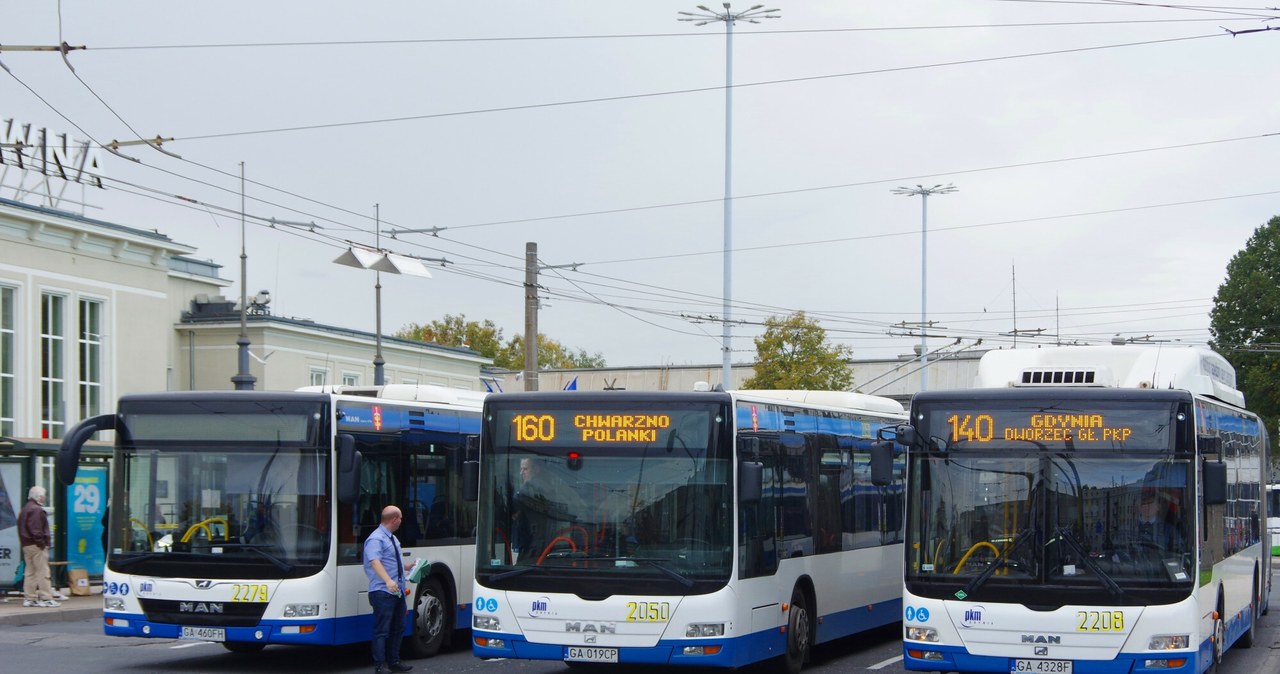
(328,631)
(955,658)
(736,652)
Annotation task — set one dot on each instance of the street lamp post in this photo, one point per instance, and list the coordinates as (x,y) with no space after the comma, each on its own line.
(243,379)
(380,261)
(728,17)
(924,194)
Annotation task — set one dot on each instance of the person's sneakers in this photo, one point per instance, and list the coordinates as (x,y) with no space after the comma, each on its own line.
(28,603)
(48,603)
(399,667)
(58,596)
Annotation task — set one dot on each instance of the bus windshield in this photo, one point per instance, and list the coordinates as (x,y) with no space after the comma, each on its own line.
(631,498)
(242,493)
(1048,523)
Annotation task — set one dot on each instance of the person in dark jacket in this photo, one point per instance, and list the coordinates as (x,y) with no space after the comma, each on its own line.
(34,534)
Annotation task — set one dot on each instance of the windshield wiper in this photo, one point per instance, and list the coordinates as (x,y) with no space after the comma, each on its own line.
(1019,541)
(1063,534)
(279,563)
(130,561)
(655,562)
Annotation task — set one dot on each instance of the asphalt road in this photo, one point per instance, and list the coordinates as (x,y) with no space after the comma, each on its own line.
(80,646)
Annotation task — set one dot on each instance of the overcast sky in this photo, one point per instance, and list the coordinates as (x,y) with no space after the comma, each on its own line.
(1110,158)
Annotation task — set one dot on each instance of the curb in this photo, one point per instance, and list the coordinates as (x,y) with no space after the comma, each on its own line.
(36,616)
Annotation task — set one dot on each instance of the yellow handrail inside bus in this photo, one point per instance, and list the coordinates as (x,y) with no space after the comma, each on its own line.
(143,526)
(208,530)
(974,548)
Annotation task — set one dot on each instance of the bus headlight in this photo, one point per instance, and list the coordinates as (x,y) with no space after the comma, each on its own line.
(1169,642)
(921,634)
(113,604)
(705,630)
(301,610)
(486,622)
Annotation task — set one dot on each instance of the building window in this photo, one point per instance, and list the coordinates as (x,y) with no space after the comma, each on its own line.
(90,358)
(350,379)
(53,378)
(411,381)
(319,376)
(8,362)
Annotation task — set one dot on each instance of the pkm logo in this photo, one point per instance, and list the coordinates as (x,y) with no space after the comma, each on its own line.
(974,616)
(540,607)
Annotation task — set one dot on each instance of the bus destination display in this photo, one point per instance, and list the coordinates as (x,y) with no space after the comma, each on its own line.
(1066,429)
(578,428)
(603,428)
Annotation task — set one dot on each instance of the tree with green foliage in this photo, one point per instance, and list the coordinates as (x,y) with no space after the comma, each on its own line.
(486,339)
(1245,321)
(793,354)
(551,354)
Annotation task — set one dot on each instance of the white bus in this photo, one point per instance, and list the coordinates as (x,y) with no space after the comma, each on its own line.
(240,516)
(1273,517)
(1084,510)
(699,528)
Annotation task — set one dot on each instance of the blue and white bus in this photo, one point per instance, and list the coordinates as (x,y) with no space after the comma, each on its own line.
(1273,517)
(1085,510)
(697,528)
(239,516)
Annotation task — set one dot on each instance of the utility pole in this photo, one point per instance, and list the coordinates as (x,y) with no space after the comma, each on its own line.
(531,316)
(531,304)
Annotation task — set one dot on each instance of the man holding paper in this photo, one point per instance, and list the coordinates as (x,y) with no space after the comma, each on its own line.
(388,585)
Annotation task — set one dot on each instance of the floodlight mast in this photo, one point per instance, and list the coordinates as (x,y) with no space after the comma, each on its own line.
(751,15)
(924,193)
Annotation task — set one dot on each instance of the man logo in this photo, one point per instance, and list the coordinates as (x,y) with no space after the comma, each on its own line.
(1041,639)
(199,607)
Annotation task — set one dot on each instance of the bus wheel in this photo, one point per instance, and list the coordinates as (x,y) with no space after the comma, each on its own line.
(1219,635)
(1246,639)
(798,629)
(429,622)
(243,646)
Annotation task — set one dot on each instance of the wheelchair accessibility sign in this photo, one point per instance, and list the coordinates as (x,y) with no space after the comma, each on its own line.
(913,614)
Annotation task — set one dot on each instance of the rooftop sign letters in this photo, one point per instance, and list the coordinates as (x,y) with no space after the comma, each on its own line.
(53,155)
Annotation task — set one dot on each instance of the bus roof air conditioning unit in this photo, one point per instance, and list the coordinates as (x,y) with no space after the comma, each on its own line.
(1064,376)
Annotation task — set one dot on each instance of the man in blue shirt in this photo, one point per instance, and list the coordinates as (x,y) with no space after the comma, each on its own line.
(387,589)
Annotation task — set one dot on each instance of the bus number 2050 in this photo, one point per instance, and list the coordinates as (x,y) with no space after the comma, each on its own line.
(648,611)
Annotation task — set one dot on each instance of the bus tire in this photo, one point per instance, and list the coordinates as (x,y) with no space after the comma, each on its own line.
(430,620)
(799,633)
(243,646)
(1219,636)
(1246,639)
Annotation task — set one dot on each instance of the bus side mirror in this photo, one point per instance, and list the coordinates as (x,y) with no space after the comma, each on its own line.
(348,469)
(68,460)
(1215,483)
(470,481)
(882,463)
(906,435)
(750,482)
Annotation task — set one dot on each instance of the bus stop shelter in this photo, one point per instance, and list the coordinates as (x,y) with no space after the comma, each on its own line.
(75,511)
